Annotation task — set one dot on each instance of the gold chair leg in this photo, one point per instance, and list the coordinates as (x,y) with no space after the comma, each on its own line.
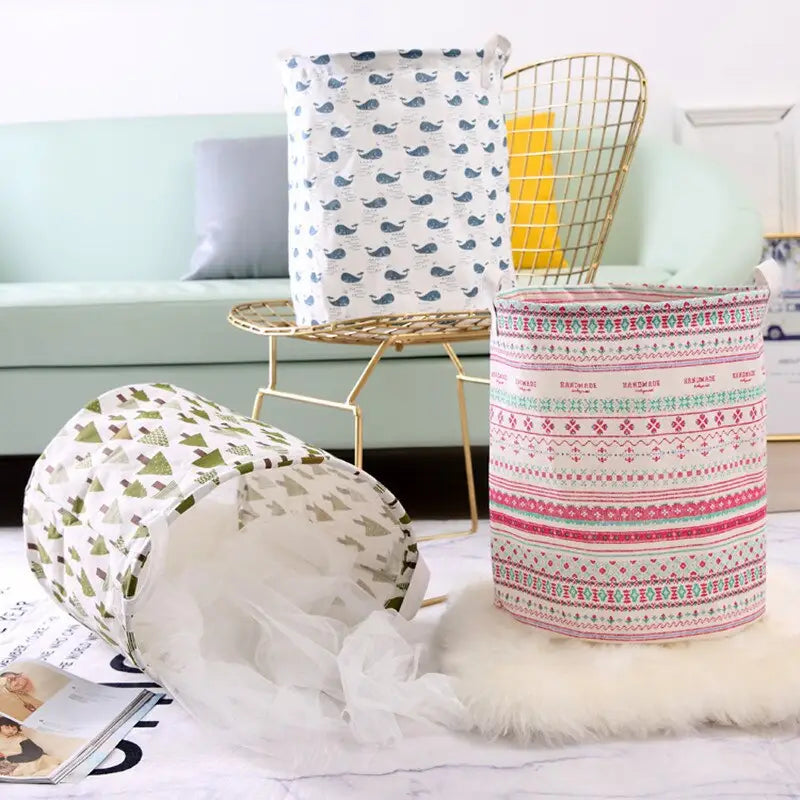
(470,474)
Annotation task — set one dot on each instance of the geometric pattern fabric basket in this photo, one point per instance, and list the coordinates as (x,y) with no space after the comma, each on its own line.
(628,460)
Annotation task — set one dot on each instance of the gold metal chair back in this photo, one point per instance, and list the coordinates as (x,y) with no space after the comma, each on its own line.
(573,125)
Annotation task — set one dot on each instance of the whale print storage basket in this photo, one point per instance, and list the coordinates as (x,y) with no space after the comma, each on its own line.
(398,176)
(628,456)
(142,467)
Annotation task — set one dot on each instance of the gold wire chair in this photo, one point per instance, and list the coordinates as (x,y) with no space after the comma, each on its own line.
(573,125)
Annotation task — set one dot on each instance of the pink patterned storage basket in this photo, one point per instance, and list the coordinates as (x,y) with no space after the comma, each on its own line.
(628,459)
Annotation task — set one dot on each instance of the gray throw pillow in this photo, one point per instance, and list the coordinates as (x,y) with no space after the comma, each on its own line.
(241,209)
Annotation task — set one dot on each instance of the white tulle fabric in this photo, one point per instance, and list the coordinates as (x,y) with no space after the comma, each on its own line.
(265,635)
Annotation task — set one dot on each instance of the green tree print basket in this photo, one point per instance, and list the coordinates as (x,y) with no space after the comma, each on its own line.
(147,479)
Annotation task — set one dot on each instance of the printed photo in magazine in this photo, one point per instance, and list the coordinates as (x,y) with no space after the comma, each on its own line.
(55,726)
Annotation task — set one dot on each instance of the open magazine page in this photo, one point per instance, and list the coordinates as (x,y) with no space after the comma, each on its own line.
(55,726)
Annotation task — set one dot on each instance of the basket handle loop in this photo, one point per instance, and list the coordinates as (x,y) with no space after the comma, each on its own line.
(495,55)
(768,273)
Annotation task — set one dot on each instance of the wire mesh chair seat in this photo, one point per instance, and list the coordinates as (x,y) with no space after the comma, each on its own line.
(573,124)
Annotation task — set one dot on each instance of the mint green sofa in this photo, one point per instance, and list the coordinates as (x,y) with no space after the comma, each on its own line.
(96,228)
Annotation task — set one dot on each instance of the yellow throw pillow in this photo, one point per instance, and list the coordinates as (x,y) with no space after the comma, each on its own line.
(531,178)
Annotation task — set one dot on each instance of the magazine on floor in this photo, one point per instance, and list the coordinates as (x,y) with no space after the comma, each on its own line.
(55,726)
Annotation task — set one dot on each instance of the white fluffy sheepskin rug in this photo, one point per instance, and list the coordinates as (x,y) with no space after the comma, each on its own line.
(519,681)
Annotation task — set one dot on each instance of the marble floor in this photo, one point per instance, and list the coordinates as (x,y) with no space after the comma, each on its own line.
(712,765)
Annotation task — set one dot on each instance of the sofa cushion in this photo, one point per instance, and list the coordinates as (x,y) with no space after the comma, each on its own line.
(241,209)
(173,322)
(150,322)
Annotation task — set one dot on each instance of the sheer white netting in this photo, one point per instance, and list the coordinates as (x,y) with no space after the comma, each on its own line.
(268,634)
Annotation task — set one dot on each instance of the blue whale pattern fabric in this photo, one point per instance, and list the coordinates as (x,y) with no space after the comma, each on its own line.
(398,182)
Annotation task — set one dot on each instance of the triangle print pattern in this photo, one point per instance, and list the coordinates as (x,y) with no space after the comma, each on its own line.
(139,457)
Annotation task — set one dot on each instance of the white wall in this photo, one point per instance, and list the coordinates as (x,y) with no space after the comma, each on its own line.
(86,58)
(63,59)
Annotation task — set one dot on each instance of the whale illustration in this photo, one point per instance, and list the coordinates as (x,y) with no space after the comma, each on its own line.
(384,177)
(469,244)
(461,76)
(473,173)
(430,127)
(410,53)
(422,200)
(367,105)
(464,197)
(378,202)
(483,100)
(470,292)
(497,242)
(296,253)
(436,224)
(459,149)
(379,252)
(414,102)
(488,148)
(466,125)
(309,253)
(442,272)
(309,301)
(341,181)
(497,171)
(383,300)
(380,80)
(479,53)
(339,133)
(453,53)
(475,221)
(298,110)
(501,218)
(493,124)
(296,230)
(306,206)
(301,87)
(478,268)
(425,77)
(367,55)
(421,150)
(325,108)
(425,248)
(503,264)
(348,277)
(316,277)
(391,227)
(335,255)
(431,175)
(312,231)
(291,63)
(323,59)
(336,83)
(343,230)
(381,129)
(371,155)
(344,300)
(331,205)
(306,134)
(493,194)
(329,157)
(430,296)
(455,100)
(394,275)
